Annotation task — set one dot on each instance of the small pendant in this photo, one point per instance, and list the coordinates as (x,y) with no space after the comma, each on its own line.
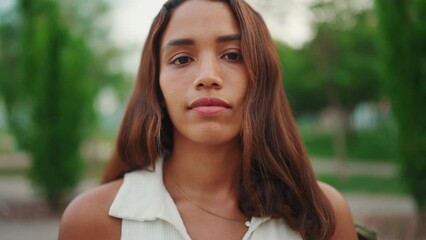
(247,223)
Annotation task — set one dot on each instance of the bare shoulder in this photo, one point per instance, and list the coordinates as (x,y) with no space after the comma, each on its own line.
(345,228)
(86,217)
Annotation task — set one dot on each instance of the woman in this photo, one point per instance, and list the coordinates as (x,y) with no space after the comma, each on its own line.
(208,146)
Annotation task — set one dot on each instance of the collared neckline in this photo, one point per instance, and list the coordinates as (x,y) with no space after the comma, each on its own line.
(143,197)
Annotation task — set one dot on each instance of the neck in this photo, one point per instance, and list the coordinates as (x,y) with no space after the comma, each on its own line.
(207,177)
(205,169)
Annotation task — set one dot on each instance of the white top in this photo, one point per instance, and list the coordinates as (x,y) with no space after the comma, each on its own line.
(148,212)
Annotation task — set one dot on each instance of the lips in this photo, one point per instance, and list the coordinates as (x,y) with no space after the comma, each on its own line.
(209,107)
(209,102)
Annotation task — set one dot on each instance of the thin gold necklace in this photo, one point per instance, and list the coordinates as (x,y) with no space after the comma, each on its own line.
(245,221)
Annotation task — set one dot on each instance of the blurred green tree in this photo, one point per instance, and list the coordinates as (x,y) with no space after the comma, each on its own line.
(300,85)
(339,67)
(336,70)
(52,66)
(403,37)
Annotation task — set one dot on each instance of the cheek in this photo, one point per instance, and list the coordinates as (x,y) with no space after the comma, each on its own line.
(172,85)
(171,93)
(244,87)
(241,85)
(165,87)
(174,97)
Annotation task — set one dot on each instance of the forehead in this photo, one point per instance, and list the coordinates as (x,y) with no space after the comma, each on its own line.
(201,18)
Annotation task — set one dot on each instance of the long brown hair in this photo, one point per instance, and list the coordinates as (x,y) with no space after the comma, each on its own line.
(277,177)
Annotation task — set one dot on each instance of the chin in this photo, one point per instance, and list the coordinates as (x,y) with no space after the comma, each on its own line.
(212,140)
(212,136)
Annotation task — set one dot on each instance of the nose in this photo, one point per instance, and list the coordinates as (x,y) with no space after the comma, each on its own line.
(209,74)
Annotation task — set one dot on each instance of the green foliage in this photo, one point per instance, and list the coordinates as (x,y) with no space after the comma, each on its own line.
(299,80)
(50,77)
(403,49)
(15,98)
(337,68)
(366,145)
(336,71)
(366,184)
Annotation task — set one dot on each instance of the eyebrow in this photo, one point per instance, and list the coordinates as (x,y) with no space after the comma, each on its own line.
(188,41)
(229,38)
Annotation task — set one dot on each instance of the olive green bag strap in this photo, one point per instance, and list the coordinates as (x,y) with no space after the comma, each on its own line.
(365,233)
(362,232)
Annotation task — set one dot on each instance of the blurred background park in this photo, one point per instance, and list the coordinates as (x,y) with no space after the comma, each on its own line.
(354,72)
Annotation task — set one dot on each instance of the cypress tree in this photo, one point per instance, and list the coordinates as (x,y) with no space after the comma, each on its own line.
(402,40)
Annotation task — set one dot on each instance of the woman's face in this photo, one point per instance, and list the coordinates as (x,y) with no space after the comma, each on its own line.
(202,75)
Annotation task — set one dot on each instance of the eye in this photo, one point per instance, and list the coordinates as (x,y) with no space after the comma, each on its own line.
(233,56)
(181,60)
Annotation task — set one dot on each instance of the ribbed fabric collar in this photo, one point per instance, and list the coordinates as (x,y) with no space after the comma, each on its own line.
(143,197)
